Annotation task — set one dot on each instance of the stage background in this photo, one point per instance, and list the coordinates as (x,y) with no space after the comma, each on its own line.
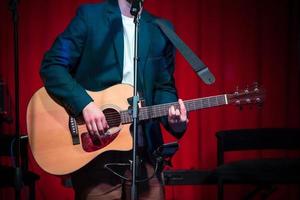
(242,41)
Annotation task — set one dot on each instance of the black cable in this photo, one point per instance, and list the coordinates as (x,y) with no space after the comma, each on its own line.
(106,166)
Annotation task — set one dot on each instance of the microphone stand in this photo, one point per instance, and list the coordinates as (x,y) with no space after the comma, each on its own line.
(13,6)
(135,11)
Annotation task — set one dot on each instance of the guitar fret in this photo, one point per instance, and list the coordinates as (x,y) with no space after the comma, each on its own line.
(156,111)
(212,101)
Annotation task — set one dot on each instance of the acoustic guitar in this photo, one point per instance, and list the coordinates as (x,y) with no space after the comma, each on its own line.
(61,143)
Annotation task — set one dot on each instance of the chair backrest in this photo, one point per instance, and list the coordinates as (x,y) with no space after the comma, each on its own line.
(8,146)
(256,139)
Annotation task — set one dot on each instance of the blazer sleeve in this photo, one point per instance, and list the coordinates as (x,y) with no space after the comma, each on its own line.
(60,60)
(165,90)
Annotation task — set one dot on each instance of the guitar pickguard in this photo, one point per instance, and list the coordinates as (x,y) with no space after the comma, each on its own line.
(90,143)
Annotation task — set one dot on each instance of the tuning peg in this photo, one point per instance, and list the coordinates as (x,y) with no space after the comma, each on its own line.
(257,100)
(246,90)
(236,90)
(256,86)
(238,102)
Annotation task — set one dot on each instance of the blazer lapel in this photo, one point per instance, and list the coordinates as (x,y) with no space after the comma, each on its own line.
(144,44)
(115,23)
(119,46)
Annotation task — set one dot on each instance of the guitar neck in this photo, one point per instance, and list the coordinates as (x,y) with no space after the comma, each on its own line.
(163,109)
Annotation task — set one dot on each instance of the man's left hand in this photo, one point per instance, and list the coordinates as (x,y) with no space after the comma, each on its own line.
(178,117)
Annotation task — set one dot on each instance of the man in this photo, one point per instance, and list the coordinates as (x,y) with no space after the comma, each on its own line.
(95,52)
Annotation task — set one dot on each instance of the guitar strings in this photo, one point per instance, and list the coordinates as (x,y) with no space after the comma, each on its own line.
(115,118)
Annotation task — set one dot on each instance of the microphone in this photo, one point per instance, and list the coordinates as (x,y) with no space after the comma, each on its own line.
(136,6)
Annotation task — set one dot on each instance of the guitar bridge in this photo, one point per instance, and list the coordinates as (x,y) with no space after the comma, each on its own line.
(74,130)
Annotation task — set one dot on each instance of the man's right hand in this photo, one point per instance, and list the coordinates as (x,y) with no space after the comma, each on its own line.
(94,119)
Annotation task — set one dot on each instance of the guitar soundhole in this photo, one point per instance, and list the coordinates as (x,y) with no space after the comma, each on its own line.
(113,118)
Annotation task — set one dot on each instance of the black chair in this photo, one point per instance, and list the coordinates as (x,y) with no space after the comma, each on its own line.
(7,173)
(263,172)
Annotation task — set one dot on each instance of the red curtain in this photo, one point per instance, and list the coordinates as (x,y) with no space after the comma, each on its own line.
(241,41)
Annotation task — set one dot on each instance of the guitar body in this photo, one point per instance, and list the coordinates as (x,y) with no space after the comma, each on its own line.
(50,137)
(61,144)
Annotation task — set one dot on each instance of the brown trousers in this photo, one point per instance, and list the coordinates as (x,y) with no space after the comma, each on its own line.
(94,182)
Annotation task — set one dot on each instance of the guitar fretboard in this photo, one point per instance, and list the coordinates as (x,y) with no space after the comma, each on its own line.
(163,109)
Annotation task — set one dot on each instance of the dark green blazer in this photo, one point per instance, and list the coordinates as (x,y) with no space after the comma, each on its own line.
(89,55)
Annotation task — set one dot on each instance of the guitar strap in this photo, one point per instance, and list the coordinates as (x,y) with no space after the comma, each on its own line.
(198,66)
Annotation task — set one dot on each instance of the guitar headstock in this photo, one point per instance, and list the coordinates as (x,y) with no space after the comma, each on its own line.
(250,95)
